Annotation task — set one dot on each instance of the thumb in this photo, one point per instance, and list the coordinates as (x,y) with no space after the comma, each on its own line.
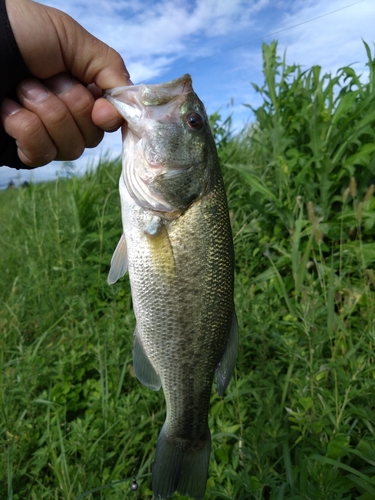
(86,57)
(51,42)
(92,61)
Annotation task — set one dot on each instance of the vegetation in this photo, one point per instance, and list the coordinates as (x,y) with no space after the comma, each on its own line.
(297,421)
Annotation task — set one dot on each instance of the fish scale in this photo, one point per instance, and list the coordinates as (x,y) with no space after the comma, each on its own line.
(178,248)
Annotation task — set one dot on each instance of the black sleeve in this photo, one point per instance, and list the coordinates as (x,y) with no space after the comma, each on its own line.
(12,71)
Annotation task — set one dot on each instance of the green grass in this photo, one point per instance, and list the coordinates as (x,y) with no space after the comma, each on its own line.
(297,421)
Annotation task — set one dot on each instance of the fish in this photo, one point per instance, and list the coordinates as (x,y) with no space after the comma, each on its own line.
(177,247)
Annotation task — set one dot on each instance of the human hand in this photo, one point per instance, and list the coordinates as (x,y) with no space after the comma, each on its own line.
(57,115)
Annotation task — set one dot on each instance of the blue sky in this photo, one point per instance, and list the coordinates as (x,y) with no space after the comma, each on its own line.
(219,43)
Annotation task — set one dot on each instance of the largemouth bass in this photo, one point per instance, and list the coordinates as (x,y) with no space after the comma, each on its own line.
(177,246)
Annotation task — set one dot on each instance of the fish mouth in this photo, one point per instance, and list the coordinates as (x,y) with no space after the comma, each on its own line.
(133,101)
(141,106)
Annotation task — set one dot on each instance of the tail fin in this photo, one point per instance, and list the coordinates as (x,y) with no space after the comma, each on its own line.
(181,466)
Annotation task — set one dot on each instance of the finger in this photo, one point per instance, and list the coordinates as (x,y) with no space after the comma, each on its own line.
(35,147)
(105,116)
(55,116)
(80,102)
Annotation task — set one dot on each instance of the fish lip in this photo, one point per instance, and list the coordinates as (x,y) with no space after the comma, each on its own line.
(172,84)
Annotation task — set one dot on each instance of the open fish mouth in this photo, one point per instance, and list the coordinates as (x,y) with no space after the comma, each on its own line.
(133,100)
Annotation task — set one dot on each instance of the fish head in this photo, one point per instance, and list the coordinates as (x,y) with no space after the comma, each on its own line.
(169,154)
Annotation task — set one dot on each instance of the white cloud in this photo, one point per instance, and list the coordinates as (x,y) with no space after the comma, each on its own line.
(152,35)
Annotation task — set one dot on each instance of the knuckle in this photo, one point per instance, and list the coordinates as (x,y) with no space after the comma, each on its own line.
(56,117)
(33,142)
(73,153)
(79,101)
(84,104)
(31,126)
(37,146)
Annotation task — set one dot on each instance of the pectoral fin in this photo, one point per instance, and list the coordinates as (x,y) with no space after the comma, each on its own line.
(143,369)
(225,369)
(119,262)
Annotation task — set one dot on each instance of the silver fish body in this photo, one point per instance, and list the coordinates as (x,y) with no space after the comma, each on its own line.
(177,246)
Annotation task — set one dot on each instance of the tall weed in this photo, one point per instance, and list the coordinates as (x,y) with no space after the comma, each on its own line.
(304,236)
(312,135)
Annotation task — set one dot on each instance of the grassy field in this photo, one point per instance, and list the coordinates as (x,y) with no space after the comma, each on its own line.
(297,421)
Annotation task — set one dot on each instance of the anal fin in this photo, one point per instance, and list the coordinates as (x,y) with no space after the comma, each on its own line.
(225,369)
(143,369)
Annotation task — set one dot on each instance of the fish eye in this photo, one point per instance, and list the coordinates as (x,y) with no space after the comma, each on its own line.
(194,121)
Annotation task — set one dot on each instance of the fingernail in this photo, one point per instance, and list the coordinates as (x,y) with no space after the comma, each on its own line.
(61,83)
(34,91)
(9,107)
